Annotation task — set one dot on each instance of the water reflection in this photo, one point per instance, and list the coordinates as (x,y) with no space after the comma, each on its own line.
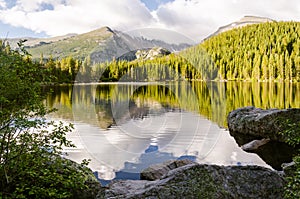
(126,127)
(213,100)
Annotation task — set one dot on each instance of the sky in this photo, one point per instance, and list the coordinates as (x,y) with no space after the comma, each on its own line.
(195,19)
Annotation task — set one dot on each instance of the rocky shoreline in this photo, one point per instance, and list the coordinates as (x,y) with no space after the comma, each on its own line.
(253,130)
(193,180)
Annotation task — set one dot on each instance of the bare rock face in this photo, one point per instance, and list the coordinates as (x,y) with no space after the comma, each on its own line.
(258,123)
(151,53)
(203,181)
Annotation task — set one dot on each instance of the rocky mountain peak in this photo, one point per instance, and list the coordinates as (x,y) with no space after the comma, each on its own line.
(246,20)
(108,29)
(149,54)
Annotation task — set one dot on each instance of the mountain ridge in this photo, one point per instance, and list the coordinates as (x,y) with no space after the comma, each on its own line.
(102,44)
(244,21)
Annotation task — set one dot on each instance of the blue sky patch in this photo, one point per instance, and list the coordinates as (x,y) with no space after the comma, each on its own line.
(8,31)
(153,4)
(10,3)
(46,6)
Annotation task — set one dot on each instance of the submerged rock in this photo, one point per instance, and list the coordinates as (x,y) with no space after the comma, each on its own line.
(203,181)
(255,144)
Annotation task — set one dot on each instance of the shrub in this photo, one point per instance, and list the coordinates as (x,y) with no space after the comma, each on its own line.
(30,146)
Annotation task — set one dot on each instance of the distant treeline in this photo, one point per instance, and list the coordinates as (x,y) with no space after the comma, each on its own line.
(171,67)
(260,52)
(266,51)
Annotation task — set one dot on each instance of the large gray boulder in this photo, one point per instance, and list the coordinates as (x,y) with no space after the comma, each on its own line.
(203,181)
(259,123)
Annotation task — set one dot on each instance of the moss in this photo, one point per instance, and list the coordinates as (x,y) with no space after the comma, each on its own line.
(194,183)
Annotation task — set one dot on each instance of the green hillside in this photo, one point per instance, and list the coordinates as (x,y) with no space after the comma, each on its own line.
(79,46)
(265,52)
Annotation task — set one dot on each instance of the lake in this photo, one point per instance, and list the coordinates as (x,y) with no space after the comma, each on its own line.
(125,127)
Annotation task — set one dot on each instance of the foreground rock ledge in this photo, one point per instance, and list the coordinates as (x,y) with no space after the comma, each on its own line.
(203,181)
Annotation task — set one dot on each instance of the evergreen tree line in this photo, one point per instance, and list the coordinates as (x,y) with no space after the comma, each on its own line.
(171,67)
(259,52)
(264,52)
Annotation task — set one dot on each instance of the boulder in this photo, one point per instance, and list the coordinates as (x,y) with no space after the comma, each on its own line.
(259,123)
(158,171)
(204,181)
(258,131)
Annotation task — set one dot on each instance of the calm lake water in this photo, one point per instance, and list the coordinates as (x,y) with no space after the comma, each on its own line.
(125,127)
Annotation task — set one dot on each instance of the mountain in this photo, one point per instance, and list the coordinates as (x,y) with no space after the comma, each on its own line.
(145,54)
(246,20)
(31,41)
(100,45)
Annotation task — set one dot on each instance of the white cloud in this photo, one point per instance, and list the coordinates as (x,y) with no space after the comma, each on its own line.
(198,19)
(193,18)
(2,4)
(76,16)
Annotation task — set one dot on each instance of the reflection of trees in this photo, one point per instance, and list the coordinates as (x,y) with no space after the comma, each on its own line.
(60,97)
(103,106)
(214,100)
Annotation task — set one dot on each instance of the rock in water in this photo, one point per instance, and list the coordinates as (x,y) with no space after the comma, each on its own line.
(252,127)
(255,144)
(258,123)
